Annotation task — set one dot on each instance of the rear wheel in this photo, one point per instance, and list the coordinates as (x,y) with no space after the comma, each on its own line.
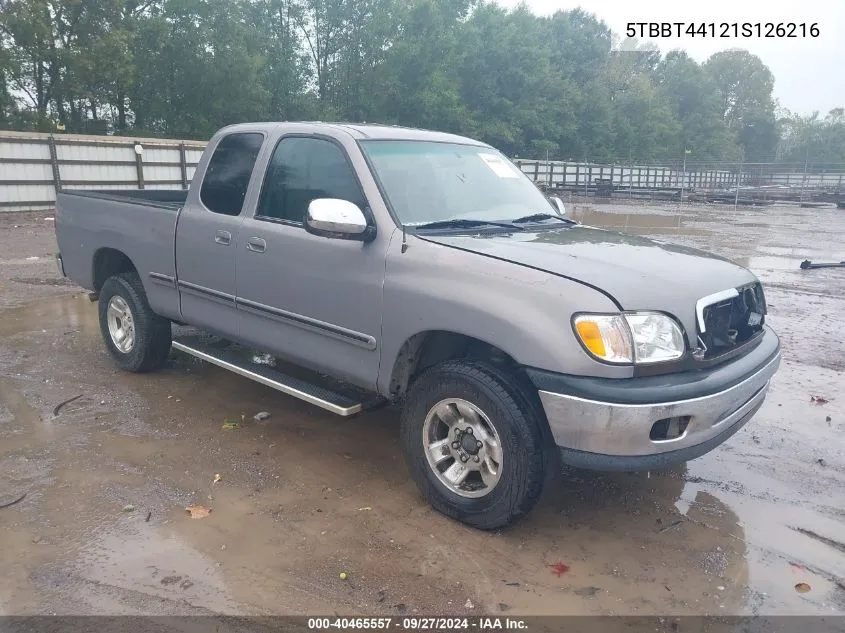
(136,337)
(474,444)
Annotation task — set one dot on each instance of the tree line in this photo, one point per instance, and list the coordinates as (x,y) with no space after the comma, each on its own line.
(561,86)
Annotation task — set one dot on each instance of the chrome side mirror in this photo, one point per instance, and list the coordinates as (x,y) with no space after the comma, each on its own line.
(558,205)
(340,219)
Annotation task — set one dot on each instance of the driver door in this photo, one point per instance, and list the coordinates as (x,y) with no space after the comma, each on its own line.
(312,300)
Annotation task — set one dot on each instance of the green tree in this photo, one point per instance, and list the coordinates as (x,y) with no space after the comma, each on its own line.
(692,95)
(642,125)
(759,136)
(7,103)
(744,85)
(418,82)
(508,81)
(644,121)
(99,69)
(563,85)
(198,67)
(814,139)
(285,72)
(743,82)
(580,47)
(31,39)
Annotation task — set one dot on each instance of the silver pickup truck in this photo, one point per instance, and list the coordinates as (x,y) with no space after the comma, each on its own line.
(392,265)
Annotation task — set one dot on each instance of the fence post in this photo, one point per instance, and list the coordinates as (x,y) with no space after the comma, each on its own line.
(589,177)
(183,165)
(139,163)
(803,181)
(54,163)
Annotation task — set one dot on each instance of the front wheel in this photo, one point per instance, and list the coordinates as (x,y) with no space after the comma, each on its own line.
(136,337)
(474,444)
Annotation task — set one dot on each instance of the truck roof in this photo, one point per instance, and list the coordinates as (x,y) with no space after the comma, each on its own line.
(358,131)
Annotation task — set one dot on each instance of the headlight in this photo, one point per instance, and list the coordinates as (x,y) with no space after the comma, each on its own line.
(657,337)
(638,337)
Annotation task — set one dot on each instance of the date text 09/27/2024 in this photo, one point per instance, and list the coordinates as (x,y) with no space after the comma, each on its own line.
(723,29)
(418,624)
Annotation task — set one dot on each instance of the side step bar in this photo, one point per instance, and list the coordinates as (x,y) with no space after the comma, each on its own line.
(313,394)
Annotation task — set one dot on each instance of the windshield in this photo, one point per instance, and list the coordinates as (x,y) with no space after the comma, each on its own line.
(426,182)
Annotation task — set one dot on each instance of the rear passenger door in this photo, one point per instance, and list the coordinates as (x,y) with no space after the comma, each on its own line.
(313,300)
(207,235)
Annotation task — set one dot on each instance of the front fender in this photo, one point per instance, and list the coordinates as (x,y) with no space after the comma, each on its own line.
(522,311)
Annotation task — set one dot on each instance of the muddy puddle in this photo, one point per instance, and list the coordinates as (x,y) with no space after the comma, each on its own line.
(664,224)
(304,495)
(772,241)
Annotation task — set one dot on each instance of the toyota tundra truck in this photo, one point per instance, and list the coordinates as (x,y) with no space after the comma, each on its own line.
(382,264)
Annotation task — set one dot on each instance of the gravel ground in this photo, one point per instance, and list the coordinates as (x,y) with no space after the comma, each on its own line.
(305,496)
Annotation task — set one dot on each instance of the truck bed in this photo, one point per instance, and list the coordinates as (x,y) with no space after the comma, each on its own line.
(163,198)
(140,225)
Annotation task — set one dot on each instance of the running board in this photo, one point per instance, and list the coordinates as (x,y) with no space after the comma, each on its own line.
(313,394)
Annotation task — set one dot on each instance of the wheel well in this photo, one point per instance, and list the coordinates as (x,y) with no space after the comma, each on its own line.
(109,262)
(425,349)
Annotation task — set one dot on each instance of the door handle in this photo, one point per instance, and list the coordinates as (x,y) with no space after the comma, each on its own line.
(256,245)
(223,237)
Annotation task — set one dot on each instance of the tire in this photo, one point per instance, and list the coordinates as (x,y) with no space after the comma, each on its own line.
(150,333)
(493,398)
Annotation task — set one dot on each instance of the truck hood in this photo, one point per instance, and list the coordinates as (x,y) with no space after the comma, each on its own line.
(638,273)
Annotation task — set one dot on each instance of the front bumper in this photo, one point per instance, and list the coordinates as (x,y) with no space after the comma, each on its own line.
(606,424)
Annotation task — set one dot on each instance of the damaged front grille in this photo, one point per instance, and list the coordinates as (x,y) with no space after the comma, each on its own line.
(731,322)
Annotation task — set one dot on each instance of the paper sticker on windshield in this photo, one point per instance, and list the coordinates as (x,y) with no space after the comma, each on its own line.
(500,167)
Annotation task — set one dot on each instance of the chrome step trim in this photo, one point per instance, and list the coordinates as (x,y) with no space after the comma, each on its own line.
(313,394)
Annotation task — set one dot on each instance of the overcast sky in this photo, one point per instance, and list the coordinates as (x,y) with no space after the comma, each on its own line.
(809,73)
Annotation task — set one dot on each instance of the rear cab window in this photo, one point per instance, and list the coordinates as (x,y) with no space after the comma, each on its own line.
(226,179)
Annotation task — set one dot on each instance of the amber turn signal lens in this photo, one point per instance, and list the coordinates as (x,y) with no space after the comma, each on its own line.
(591,337)
(606,336)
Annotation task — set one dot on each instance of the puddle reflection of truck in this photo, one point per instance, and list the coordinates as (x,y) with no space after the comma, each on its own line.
(426,270)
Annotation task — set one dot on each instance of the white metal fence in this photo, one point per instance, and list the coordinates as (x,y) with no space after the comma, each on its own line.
(571,174)
(33,167)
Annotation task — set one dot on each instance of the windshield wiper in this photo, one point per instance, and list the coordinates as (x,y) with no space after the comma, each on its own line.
(464,223)
(540,217)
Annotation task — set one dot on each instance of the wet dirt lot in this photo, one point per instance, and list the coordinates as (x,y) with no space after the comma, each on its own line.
(306,495)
